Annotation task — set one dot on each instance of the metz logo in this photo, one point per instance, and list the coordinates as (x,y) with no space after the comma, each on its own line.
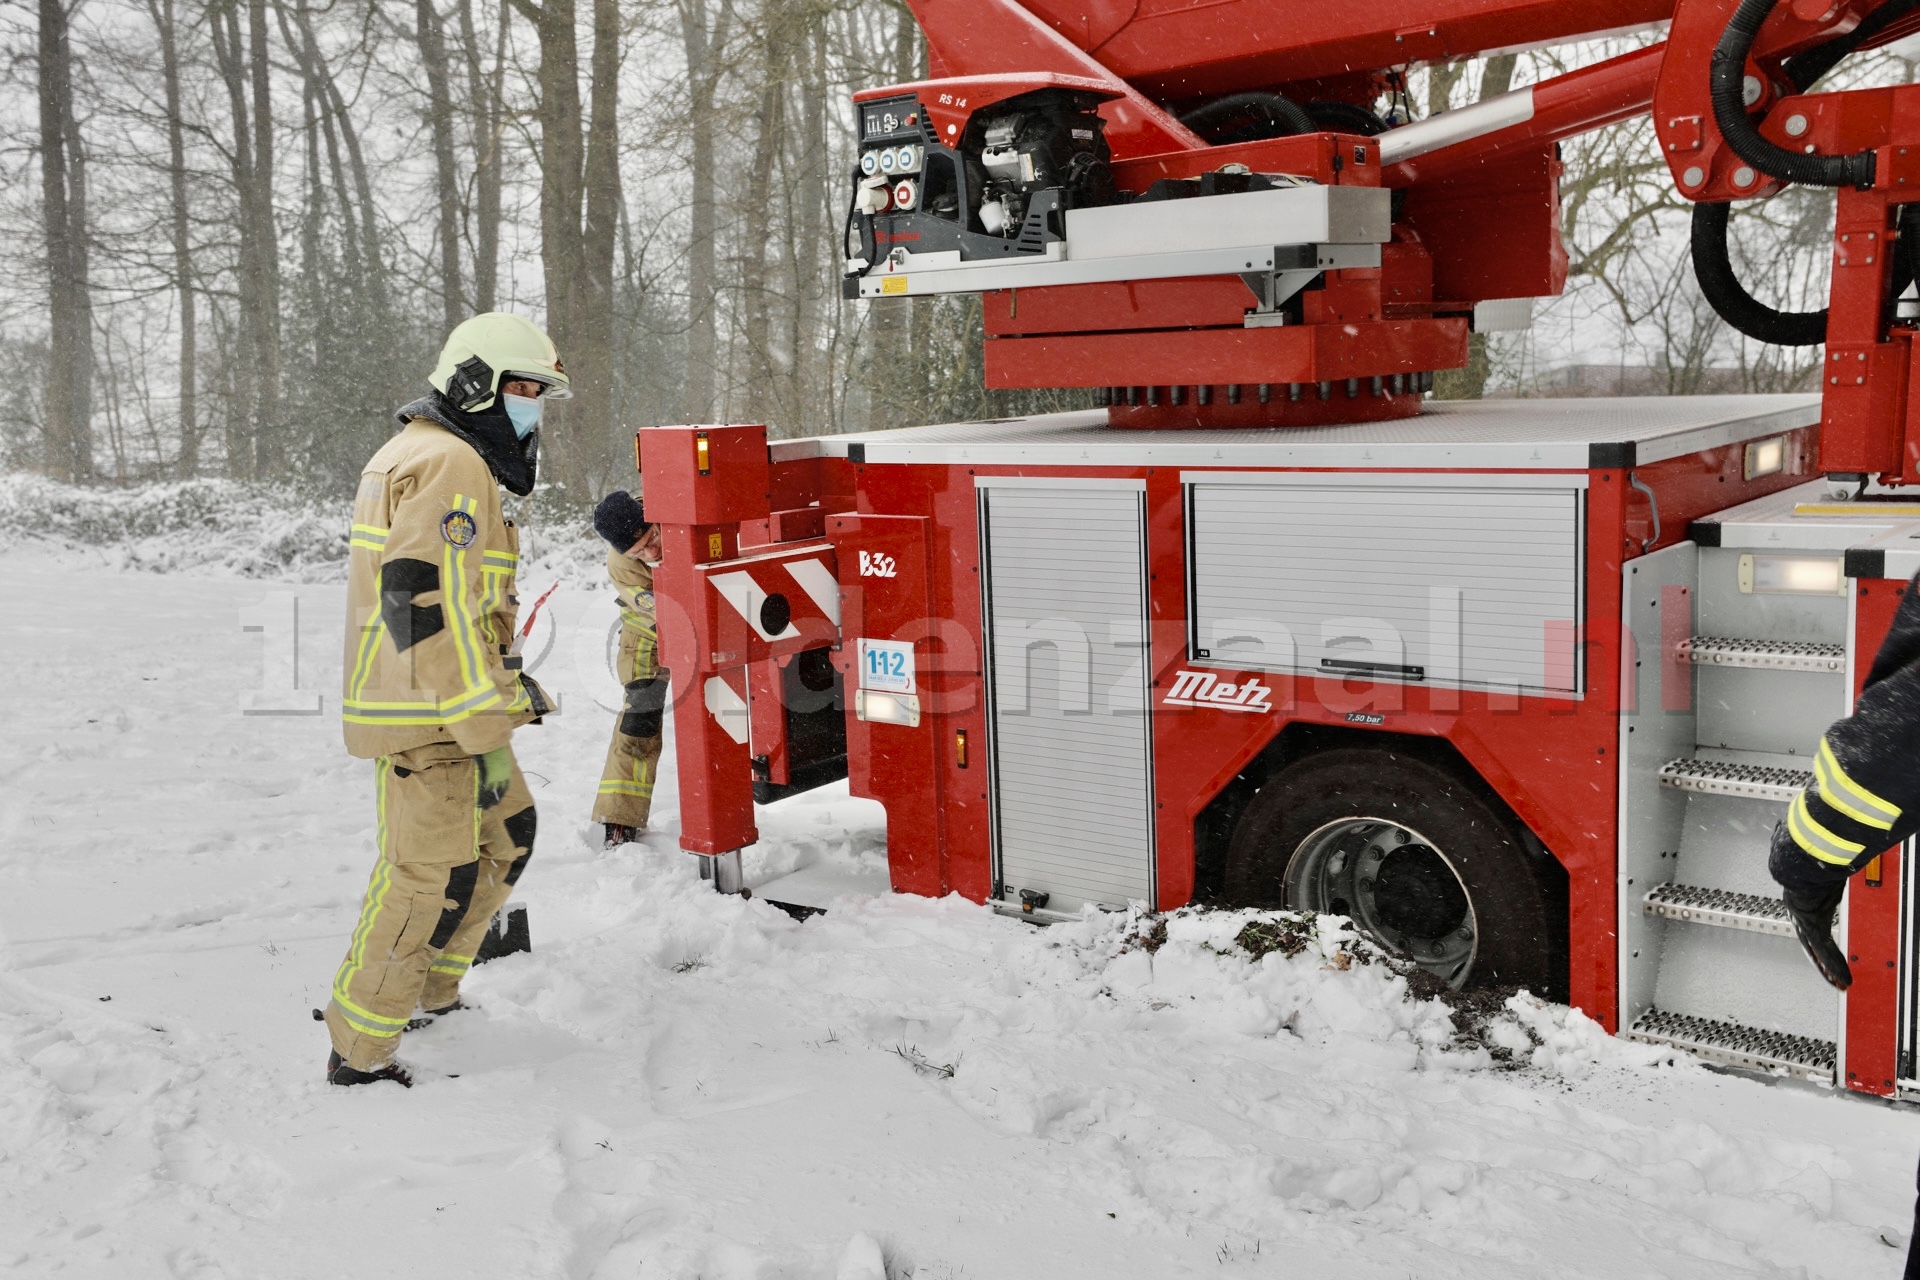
(1202,689)
(875,565)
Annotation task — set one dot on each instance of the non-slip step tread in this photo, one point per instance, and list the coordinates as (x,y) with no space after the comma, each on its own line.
(1732,778)
(1734,1045)
(1771,655)
(1721,907)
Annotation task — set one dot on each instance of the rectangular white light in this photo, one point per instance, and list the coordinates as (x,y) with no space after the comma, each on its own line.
(1766,457)
(1792,575)
(886,708)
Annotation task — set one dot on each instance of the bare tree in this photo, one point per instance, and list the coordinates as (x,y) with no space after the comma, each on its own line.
(67,441)
(704,35)
(161,11)
(433,60)
(580,199)
(487,118)
(256,383)
(771,48)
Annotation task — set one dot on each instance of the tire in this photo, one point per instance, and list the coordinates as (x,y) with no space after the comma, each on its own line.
(1410,852)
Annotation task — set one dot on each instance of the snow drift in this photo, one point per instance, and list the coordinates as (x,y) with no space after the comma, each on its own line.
(677,1084)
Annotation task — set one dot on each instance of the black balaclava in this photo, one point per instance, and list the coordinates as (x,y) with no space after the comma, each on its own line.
(513,461)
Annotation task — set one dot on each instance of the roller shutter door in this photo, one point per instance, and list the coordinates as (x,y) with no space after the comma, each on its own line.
(1066,608)
(1474,587)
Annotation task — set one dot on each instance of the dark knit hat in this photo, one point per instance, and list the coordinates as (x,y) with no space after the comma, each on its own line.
(620,519)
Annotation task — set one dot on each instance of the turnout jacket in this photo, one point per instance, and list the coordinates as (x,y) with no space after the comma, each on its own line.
(1865,795)
(430,602)
(639,634)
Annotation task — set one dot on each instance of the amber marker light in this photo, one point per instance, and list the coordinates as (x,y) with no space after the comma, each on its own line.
(702,454)
(960,747)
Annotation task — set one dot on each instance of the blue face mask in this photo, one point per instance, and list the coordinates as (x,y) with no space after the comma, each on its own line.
(525,413)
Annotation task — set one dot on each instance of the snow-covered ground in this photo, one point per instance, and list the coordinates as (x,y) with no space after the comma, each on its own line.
(676,1084)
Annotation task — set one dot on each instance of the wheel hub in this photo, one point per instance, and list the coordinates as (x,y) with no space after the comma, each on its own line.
(1394,885)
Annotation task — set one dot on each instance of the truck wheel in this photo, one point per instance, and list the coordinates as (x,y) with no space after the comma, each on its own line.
(1411,854)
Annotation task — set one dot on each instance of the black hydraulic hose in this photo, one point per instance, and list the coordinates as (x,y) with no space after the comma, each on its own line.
(1728,82)
(1806,69)
(1345,117)
(1265,111)
(1713,267)
(869,246)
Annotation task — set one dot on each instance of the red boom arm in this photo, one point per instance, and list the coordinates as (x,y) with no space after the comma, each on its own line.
(1478,219)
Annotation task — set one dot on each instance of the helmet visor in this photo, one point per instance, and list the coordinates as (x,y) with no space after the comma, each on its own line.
(555,390)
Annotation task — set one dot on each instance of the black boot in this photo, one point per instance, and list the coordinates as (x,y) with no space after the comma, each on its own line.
(338,1072)
(1812,912)
(618,835)
(428,1017)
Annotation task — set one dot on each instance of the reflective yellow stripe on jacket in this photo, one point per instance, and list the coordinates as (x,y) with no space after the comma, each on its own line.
(481,693)
(1848,796)
(1816,839)
(427,499)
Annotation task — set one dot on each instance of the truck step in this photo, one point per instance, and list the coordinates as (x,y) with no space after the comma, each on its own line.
(1772,655)
(1721,907)
(1733,1045)
(1730,778)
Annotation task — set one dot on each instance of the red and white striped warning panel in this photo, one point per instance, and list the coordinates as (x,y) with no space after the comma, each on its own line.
(771,604)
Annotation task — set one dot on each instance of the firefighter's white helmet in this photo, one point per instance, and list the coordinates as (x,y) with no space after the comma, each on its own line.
(494,345)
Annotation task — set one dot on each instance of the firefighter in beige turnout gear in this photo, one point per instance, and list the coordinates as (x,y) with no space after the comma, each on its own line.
(633,757)
(432,694)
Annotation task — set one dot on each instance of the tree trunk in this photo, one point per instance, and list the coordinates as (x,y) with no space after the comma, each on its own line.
(592,416)
(579,219)
(189,458)
(561,203)
(433,57)
(82,250)
(320,113)
(269,447)
(560,163)
(69,330)
(486,96)
(756,284)
(704,48)
(373,278)
(242,356)
(816,240)
(310,293)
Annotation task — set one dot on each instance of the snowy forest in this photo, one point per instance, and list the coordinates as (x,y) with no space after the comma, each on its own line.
(237,230)
(249,225)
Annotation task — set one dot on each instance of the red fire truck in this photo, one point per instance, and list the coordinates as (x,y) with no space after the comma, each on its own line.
(1520,687)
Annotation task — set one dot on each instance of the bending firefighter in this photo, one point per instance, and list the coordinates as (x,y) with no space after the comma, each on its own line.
(633,758)
(1864,800)
(432,696)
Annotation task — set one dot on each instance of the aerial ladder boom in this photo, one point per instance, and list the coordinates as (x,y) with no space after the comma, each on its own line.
(1042,163)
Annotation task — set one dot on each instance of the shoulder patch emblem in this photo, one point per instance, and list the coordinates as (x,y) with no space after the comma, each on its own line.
(459,528)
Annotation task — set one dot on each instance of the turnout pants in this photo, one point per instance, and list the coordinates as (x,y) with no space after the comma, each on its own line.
(633,757)
(446,866)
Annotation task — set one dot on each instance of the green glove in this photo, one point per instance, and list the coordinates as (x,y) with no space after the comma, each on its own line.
(496,775)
